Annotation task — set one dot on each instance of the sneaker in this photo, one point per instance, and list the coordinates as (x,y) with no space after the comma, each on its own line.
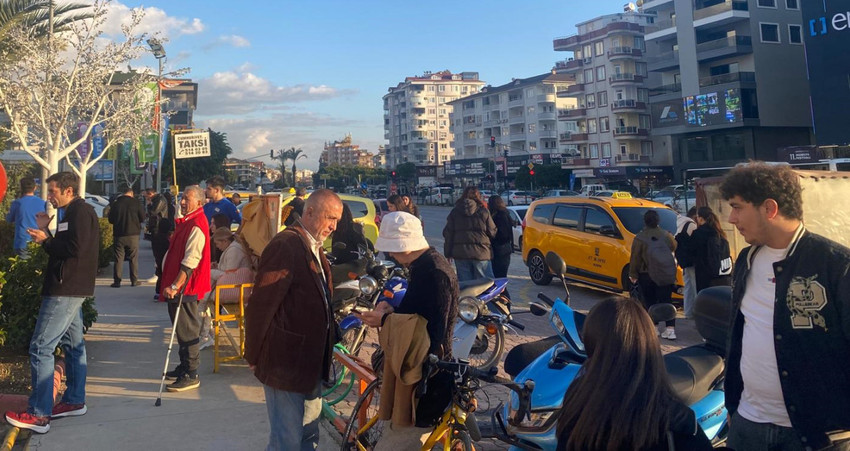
(116,285)
(137,283)
(26,420)
(206,343)
(669,334)
(152,279)
(156,298)
(175,373)
(64,409)
(184,383)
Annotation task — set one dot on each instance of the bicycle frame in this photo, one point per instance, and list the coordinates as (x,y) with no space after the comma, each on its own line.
(453,416)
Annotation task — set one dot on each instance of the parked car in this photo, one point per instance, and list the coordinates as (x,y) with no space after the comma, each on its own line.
(517,215)
(362,209)
(440,195)
(513,197)
(591,189)
(485,194)
(98,207)
(592,234)
(560,193)
(684,202)
(380,210)
(100,200)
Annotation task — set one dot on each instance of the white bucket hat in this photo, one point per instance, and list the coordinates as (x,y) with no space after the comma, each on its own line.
(400,232)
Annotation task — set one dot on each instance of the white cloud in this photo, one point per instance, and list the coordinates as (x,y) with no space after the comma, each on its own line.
(241,92)
(232,40)
(155,20)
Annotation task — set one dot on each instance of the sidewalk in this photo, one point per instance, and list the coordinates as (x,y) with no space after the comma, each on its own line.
(126,350)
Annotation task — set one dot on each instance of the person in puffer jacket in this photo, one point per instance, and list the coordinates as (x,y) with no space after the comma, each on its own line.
(469,229)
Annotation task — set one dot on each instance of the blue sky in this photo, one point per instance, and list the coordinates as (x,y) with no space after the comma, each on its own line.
(277,74)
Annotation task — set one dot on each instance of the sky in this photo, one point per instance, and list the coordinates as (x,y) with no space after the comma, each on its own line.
(281,74)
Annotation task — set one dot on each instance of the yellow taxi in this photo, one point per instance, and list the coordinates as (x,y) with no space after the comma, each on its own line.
(592,234)
(362,209)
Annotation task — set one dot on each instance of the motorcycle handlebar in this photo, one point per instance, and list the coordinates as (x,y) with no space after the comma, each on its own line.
(546,299)
(516,324)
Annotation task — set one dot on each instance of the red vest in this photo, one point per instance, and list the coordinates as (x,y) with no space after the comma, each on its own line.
(199,281)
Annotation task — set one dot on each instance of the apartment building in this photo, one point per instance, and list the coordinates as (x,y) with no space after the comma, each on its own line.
(608,131)
(344,153)
(728,81)
(416,116)
(244,172)
(521,117)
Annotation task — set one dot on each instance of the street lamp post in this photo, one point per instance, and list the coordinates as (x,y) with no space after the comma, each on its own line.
(159,53)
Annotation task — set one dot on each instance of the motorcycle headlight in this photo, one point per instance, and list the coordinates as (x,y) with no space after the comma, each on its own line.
(368,285)
(468,309)
(534,420)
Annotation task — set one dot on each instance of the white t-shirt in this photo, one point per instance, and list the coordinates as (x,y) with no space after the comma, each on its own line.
(762,400)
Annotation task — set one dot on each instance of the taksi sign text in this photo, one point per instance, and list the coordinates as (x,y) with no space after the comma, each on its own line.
(192,145)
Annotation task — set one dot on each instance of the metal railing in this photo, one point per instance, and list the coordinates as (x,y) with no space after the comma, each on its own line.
(728,5)
(744,77)
(729,41)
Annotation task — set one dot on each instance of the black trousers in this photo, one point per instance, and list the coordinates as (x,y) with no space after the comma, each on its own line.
(500,268)
(159,245)
(187,329)
(126,246)
(654,294)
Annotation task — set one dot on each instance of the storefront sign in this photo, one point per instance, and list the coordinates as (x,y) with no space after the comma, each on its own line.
(799,154)
(584,173)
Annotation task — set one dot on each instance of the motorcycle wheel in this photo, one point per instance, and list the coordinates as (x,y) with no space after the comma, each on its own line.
(487,349)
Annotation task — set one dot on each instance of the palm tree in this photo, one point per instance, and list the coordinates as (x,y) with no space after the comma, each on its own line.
(295,154)
(35,14)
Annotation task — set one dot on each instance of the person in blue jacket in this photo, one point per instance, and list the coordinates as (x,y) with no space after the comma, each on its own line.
(23,212)
(218,203)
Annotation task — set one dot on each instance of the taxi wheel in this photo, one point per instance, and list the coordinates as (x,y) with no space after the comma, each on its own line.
(537,269)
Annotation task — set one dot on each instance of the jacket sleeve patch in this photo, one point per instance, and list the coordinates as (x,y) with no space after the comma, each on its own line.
(805,298)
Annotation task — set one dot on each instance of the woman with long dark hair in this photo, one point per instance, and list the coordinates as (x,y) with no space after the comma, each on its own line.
(710,248)
(622,398)
(351,234)
(502,243)
(467,234)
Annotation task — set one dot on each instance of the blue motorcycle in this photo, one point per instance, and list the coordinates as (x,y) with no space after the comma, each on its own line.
(696,372)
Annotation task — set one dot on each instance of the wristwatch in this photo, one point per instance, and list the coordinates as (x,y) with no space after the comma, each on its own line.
(174,287)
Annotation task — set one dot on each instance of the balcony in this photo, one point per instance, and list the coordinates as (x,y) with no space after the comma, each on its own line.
(571,90)
(663,61)
(553,134)
(627,104)
(572,114)
(515,101)
(519,119)
(631,158)
(672,88)
(546,116)
(720,8)
(652,4)
(543,98)
(734,77)
(616,53)
(630,131)
(568,65)
(572,137)
(568,42)
(724,47)
(577,162)
(625,78)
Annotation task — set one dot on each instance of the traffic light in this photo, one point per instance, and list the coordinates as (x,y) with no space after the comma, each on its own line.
(271,154)
(492,141)
(531,172)
(393,174)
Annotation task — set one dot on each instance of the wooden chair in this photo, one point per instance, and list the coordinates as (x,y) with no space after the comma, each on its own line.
(235,312)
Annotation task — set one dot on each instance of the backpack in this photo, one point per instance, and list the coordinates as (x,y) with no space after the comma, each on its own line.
(684,255)
(660,261)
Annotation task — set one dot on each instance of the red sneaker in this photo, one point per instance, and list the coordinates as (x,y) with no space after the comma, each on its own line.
(68,410)
(26,420)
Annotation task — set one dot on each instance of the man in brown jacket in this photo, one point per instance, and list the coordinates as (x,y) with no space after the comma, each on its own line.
(290,330)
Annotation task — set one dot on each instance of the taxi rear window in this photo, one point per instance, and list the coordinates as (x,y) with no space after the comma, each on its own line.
(543,213)
(358,209)
(632,218)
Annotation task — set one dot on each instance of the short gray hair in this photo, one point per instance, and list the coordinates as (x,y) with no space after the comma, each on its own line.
(197,192)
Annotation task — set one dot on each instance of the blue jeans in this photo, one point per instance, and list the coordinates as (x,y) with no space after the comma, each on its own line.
(473,269)
(690,295)
(293,419)
(60,322)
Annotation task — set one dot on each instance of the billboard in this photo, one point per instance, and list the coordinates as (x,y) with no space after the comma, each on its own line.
(826,30)
(713,108)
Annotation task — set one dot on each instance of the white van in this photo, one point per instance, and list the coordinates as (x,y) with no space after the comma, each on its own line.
(591,189)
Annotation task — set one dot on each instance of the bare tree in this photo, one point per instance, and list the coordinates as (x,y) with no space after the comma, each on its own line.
(57,90)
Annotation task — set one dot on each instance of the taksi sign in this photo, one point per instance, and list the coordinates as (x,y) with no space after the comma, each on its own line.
(192,145)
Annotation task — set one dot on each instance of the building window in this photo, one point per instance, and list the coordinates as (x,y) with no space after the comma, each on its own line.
(767,3)
(442,88)
(606,150)
(590,101)
(588,50)
(769,32)
(795,34)
(593,150)
(600,73)
(431,88)
(623,149)
(588,75)
(646,148)
(591,125)
(604,124)
(600,48)
(532,128)
(602,98)
(532,146)
(530,110)
(638,43)
(792,4)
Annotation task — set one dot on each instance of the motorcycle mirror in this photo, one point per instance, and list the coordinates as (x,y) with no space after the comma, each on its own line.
(538,309)
(339,246)
(556,264)
(662,312)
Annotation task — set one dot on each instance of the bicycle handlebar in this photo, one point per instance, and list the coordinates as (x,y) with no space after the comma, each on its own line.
(546,299)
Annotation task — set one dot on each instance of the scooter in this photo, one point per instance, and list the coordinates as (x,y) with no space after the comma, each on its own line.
(485,315)
(696,372)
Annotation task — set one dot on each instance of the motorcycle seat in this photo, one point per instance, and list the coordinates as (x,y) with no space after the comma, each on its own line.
(473,288)
(521,355)
(693,372)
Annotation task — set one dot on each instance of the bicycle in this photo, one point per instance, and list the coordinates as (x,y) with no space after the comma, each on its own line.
(454,431)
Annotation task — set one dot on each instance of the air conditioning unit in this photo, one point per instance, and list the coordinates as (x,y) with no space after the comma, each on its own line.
(587,60)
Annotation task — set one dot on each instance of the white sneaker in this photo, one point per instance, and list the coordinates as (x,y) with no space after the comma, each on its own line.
(669,334)
(152,279)
(205,343)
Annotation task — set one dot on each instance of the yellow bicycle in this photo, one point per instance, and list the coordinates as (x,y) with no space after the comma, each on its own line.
(457,428)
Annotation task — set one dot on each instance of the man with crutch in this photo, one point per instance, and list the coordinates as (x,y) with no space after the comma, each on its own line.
(185,279)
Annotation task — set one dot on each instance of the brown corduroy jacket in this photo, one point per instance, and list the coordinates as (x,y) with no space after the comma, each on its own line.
(289,327)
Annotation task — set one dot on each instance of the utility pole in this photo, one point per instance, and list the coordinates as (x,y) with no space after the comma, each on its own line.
(159,53)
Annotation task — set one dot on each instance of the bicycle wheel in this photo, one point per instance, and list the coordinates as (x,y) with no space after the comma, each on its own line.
(353,339)
(338,372)
(460,442)
(364,431)
(487,349)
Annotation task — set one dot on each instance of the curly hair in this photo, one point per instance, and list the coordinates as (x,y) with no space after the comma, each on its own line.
(758,181)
